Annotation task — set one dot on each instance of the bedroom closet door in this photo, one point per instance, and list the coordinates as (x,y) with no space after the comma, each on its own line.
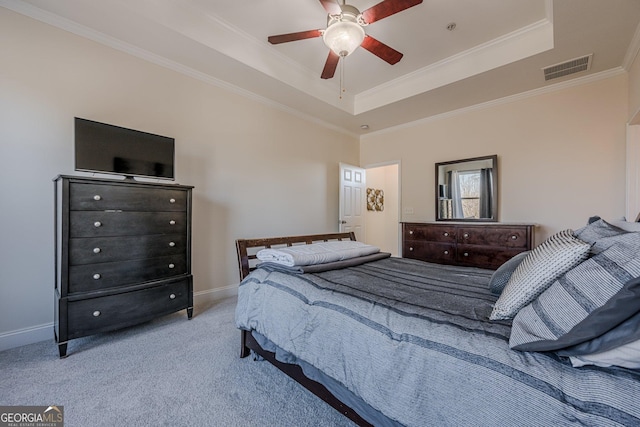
(352,200)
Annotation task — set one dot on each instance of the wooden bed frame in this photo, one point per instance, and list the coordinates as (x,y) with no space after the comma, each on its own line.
(246,264)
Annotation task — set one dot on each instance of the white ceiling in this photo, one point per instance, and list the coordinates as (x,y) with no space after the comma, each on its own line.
(497,50)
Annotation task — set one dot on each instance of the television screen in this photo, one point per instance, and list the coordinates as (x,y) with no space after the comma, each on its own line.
(100,147)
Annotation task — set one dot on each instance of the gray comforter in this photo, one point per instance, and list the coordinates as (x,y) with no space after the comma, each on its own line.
(413,341)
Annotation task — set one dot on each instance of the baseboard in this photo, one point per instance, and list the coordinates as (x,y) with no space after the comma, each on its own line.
(215,294)
(20,337)
(26,336)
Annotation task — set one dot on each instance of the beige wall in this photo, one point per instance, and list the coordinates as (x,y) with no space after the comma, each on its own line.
(257,171)
(561,155)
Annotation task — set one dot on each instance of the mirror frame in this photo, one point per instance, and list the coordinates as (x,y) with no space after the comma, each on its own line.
(494,203)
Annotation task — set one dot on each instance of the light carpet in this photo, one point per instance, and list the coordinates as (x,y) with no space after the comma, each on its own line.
(168,372)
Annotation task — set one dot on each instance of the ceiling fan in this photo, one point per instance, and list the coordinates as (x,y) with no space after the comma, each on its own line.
(345,32)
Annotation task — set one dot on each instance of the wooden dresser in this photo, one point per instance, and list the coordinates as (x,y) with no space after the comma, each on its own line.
(123,254)
(484,245)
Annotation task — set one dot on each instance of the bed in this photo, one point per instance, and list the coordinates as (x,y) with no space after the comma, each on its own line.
(394,341)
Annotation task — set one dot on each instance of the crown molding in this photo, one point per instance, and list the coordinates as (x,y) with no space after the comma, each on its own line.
(119,45)
(614,72)
(632,51)
(522,43)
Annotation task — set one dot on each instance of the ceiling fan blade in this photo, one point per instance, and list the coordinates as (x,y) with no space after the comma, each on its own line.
(331,6)
(387,8)
(381,50)
(291,37)
(331,65)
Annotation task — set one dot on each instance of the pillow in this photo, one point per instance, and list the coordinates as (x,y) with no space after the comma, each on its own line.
(501,276)
(626,356)
(592,219)
(600,234)
(586,289)
(586,332)
(627,226)
(555,256)
(615,323)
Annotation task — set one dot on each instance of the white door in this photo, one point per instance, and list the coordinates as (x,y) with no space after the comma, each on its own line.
(352,199)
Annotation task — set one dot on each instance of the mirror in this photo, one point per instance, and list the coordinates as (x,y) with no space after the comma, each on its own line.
(467,190)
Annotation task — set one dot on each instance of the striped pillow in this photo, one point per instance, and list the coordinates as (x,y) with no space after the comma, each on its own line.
(584,289)
(600,234)
(548,261)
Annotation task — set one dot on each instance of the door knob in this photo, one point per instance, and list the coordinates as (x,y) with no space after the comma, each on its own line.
(343,221)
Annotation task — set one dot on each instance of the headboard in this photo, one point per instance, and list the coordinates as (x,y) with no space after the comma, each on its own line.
(247,248)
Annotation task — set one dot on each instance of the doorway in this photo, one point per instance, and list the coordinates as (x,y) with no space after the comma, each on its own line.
(633,169)
(382,220)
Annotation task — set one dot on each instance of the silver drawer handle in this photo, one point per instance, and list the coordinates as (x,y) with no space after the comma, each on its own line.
(466,254)
(96,276)
(172,265)
(172,296)
(97,224)
(97,197)
(172,222)
(465,235)
(172,200)
(445,234)
(446,252)
(410,231)
(172,244)
(97,250)
(514,237)
(411,249)
(96,313)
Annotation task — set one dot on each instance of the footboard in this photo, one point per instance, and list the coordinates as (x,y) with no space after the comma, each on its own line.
(247,248)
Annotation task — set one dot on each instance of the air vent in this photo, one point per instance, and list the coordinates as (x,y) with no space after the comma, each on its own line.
(568,67)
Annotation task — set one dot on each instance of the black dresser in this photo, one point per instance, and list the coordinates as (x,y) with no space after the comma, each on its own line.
(123,254)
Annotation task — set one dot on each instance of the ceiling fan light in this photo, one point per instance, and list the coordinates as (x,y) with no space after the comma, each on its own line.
(343,37)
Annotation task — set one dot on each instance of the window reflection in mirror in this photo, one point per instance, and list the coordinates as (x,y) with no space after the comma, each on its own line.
(466,190)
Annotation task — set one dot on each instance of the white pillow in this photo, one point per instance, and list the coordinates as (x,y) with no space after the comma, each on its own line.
(626,356)
(540,268)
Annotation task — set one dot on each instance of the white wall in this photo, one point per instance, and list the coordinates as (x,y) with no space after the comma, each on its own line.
(561,154)
(633,142)
(634,90)
(257,170)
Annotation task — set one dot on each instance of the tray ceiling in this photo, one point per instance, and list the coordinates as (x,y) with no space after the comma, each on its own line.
(498,48)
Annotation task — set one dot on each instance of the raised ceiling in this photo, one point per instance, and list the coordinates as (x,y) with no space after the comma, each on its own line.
(497,49)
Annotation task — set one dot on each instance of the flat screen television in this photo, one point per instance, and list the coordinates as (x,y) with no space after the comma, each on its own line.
(104,148)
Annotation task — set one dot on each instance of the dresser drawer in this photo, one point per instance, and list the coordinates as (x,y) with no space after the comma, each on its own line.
(89,316)
(93,277)
(107,249)
(505,237)
(99,197)
(434,233)
(484,256)
(102,224)
(429,251)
